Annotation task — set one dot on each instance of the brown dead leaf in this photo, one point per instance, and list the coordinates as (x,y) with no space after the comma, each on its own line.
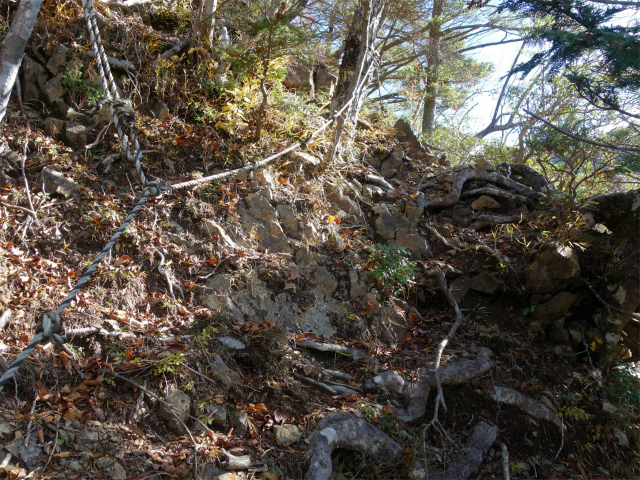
(269,476)
(63,454)
(73,414)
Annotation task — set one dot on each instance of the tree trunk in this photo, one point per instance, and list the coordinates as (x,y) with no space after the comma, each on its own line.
(204,24)
(433,66)
(12,48)
(355,69)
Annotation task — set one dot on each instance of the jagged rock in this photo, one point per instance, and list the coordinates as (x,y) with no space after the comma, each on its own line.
(459,288)
(159,109)
(289,219)
(335,243)
(55,182)
(34,78)
(553,309)
(32,455)
(358,289)
(392,165)
(484,282)
(53,126)
(240,423)
(261,217)
(180,400)
(416,244)
(558,334)
(211,472)
(553,269)
(485,202)
(53,90)
(387,226)
(86,438)
(217,414)
(6,180)
(213,229)
(57,59)
(286,434)
(231,343)
(323,79)
(304,71)
(337,196)
(405,135)
(76,134)
(223,373)
(391,325)
(311,234)
(413,212)
(484,164)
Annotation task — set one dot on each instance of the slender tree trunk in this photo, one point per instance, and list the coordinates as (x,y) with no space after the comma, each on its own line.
(433,66)
(356,67)
(12,48)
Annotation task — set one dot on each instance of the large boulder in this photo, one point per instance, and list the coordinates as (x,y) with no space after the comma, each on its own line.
(553,269)
(549,311)
(410,142)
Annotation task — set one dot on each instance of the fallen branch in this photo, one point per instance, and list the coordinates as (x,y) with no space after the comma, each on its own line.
(491,251)
(346,430)
(332,347)
(505,462)
(443,201)
(115,63)
(507,182)
(100,331)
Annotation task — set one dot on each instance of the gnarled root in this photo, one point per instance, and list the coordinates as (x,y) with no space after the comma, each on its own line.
(418,393)
(463,466)
(345,430)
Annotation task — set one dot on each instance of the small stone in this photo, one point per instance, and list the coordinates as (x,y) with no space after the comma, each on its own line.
(553,309)
(387,225)
(5,427)
(240,423)
(563,350)
(218,416)
(34,77)
(182,404)
(55,182)
(223,373)
(485,283)
(159,109)
(416,244)
(76,466)
(459,288)
(53,89)
(86,438)
(57,59)
(231,343)
(76,134)
(485,202)
(286,434)
(116,472)
(53,126)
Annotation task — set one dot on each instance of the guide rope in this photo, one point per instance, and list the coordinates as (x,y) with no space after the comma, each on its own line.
(49,327)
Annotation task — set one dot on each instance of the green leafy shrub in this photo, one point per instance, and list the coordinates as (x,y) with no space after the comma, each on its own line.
(390,268)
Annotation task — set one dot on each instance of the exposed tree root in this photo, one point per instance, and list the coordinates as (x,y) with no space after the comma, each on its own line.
(465,465)
(346,430)
(523,192)
(526,404)
(332,347)
(498,193)
(484,221)
(418,393)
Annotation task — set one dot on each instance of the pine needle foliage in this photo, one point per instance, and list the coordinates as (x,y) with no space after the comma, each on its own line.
(576,30)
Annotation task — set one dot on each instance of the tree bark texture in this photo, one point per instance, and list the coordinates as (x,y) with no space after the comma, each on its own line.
(12,48)
(433,66)
(359,55)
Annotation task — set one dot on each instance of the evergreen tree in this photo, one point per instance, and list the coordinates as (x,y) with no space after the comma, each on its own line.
(577,28)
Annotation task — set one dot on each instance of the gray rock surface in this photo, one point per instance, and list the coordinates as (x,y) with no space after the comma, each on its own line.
(286,434)
(55,182)
(484,282)
(459,287)
(180,400)
(553,269)
(220,371)
(553,309)
(416,244)
(58,59)
(34,77)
